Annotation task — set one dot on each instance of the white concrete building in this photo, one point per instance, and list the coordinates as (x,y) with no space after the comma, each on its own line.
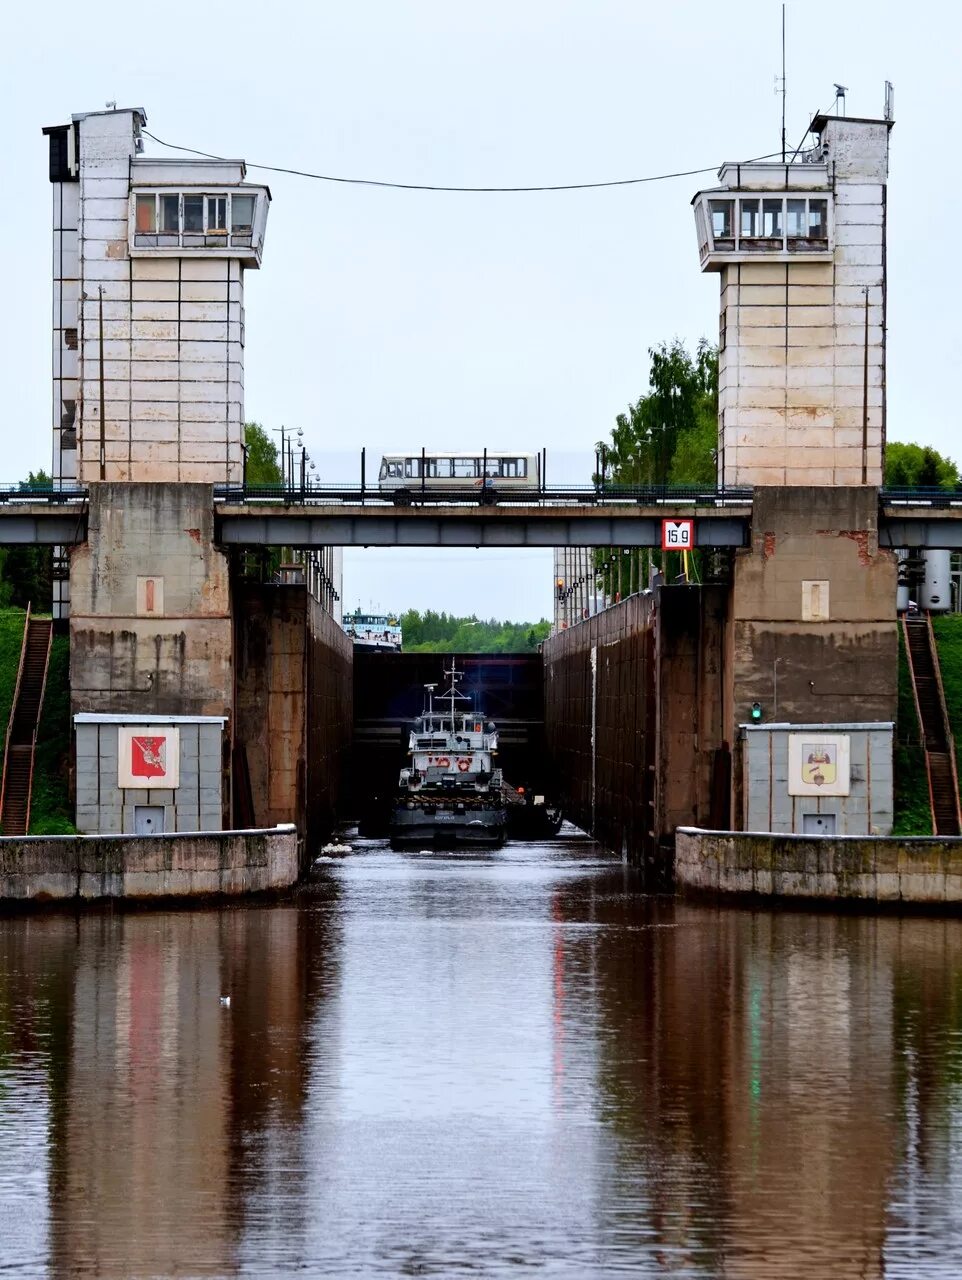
(148,269)
(149,259)
(800,249)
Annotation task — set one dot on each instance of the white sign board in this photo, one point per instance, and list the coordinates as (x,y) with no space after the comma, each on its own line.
(677,535)
(819,764)
(148,757)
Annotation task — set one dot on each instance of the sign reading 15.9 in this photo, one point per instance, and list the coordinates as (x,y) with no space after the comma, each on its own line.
(677,535)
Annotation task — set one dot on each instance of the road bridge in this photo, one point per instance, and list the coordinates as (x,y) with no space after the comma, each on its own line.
(586,517)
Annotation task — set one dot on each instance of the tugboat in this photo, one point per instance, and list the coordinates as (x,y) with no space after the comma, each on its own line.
(452,792)
(373,632)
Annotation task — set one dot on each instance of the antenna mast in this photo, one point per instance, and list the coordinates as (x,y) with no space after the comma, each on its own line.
(783,84)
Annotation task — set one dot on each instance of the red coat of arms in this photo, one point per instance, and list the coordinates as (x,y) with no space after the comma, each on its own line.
(148,756)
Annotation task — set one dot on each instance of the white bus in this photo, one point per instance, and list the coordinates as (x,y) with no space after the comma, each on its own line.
(496,471)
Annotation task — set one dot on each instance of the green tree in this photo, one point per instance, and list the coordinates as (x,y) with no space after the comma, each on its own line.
(916,466)
(262,465)
(669,435)
(26,573)
(432,632)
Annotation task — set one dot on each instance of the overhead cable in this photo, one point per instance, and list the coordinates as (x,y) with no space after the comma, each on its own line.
(422,186)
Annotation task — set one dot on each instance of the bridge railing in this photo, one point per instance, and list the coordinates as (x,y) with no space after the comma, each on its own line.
(526,495)
(926,496)
(25,492)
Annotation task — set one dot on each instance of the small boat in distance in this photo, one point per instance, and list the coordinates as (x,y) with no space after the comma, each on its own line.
(373,632)
(451,792)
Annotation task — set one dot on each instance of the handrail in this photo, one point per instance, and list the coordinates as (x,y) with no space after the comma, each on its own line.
(946,728)
(944,711)
(918,716)
(13,706)
(527,494)
(36,727)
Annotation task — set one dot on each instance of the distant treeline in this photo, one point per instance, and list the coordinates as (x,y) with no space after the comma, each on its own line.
(432,632)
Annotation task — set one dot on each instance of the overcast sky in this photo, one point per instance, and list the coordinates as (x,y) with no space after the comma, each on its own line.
(400,319)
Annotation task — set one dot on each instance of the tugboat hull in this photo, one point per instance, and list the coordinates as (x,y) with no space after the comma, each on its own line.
(471,828)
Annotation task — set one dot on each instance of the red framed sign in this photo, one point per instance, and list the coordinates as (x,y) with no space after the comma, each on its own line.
(677,535)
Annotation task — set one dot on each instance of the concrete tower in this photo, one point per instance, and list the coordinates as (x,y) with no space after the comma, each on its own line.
(800,250)
(149,370)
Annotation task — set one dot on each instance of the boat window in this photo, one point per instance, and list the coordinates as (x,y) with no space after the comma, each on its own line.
(465,468)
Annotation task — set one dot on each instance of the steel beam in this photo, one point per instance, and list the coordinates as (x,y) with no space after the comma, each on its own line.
(465,527)
(42,526)
(937,530)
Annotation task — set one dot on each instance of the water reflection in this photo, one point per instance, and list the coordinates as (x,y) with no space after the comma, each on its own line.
(444,1066)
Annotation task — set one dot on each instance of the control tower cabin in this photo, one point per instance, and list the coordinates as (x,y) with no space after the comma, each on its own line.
(148,306)
(800,249)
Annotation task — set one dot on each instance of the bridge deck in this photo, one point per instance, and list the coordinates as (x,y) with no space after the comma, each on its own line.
(473,526)
(906,519)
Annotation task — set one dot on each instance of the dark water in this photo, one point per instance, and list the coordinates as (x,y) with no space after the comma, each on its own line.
(504,1065)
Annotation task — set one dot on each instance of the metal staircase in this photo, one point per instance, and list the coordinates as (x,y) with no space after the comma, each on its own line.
(937,737)
(21,738)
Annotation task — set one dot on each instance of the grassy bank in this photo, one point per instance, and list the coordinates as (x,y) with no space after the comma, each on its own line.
(912,814)
(913,817)
(50,811)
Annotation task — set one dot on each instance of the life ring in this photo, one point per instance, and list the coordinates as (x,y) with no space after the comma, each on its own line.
(464,763)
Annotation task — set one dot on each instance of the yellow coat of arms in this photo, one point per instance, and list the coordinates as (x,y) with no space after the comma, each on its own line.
(819,764)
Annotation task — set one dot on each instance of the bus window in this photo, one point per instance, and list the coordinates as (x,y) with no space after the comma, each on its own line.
(465,468)
(514,467)
(412,469)
(383,472)
(440,468)
(493,467)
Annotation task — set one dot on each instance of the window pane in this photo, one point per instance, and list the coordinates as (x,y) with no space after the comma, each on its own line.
(216,213)
(242,213)
(493,467)
(193,213)
(818,219)
(721,219)
(146,213)
(383,472)
(772,218)
(750,225)
(466,468)
(412,468)
(442,468)
(795,218)
(170,213)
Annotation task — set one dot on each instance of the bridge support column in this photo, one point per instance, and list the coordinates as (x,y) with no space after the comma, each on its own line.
(150,624)
(814,636)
